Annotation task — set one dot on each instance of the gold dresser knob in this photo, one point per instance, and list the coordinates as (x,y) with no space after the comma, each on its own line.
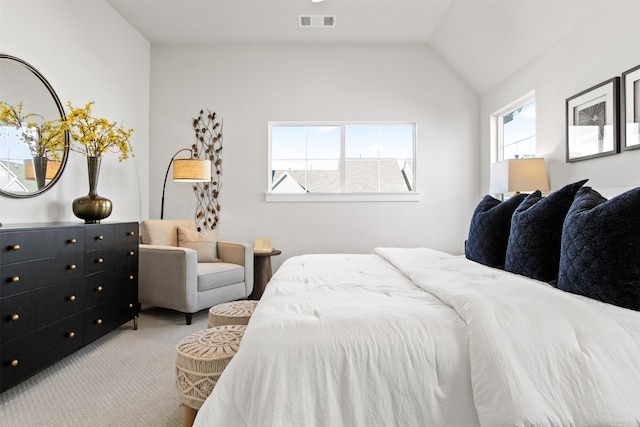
(131,233)
(132,253)
(73,267)
(131,277)
(15,279)
(99,321)
(72,241)
(72,298)
(15,247)
(72,334)
(15,316)
(130,305)
(100,238)
(100,260)
(99,288)
(14,363)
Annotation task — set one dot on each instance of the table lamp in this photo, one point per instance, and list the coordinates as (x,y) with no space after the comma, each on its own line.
(518,175)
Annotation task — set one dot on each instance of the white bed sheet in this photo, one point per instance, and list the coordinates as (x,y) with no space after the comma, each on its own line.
(350,340)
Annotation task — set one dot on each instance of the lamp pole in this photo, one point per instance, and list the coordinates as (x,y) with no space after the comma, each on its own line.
(164,186)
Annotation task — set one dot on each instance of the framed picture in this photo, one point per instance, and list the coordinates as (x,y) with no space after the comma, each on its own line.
(593,119)
(630,89)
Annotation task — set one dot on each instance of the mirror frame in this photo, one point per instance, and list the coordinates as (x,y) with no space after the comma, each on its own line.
(65,153)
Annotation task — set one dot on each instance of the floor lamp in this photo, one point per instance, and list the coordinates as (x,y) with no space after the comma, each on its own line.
(186,170)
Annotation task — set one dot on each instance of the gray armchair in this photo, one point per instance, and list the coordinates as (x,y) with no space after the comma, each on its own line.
(171,276)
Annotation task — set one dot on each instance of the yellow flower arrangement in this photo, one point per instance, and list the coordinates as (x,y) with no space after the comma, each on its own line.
(44,139)
(93,136)
(51,135)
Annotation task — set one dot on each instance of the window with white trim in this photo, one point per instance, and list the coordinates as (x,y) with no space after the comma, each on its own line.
(341,158)
(515,130)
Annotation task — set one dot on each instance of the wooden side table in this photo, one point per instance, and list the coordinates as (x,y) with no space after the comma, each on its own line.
(261,272)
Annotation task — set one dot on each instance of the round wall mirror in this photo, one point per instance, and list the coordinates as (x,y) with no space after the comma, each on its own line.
(33,146)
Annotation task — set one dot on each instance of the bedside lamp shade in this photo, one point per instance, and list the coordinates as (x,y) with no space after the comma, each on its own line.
(518,175)
(191,170)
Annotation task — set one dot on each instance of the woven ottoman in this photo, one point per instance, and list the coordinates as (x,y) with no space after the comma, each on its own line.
(202,356)
(231,313)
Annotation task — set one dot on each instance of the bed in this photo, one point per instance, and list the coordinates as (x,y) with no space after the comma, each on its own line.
(418,337)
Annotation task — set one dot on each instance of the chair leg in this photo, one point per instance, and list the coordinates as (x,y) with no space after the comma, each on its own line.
(188,316)
(189,416)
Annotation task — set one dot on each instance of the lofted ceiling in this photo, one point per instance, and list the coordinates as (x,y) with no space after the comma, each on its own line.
(484,41)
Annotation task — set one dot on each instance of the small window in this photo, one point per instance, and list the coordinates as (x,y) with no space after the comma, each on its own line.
(515,130)
(341,158)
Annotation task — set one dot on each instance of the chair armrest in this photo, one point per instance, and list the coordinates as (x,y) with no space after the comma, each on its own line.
(238,253)
(168,277)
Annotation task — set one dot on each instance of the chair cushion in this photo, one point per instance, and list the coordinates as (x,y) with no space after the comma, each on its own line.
(163,232)
(216,274)
(204,243)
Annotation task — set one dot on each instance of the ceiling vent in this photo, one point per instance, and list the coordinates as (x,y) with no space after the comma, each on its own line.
(317,20)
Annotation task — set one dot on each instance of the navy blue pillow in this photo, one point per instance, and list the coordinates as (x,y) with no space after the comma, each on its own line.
(533,249)
(489,230)
(600,252)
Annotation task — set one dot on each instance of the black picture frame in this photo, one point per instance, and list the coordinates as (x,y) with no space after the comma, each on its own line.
(593,122)
(630,109)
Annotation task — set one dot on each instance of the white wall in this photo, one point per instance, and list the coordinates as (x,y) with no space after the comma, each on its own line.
(249,85)
(87,52)
(602,48)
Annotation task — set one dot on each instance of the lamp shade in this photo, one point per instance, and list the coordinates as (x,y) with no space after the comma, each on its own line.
(30,173)
(191,170)
(518,175)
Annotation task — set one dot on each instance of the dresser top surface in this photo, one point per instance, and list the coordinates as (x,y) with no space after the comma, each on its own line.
(51,225)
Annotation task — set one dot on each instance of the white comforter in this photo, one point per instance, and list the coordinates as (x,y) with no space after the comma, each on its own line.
(415,337)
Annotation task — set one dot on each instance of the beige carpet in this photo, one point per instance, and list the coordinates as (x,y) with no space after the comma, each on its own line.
(124,379)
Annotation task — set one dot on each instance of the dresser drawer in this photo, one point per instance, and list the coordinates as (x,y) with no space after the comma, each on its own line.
(106,235)
(126,233)
(99,260)
(125,310)
(104,318)
(26,356)
(26,312)
(98,288)
(110,258)
(18,246)
(24,276)
(127,277)
(99,237)
(99,320)
(127,254)
(104,286)
(126,288)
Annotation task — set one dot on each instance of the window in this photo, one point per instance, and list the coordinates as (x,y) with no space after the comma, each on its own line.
(338,158)
(515,130)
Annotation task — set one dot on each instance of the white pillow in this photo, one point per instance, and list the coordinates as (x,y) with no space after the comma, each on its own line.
(206,244)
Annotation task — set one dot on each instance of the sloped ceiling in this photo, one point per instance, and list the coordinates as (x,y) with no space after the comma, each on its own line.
(484,41)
